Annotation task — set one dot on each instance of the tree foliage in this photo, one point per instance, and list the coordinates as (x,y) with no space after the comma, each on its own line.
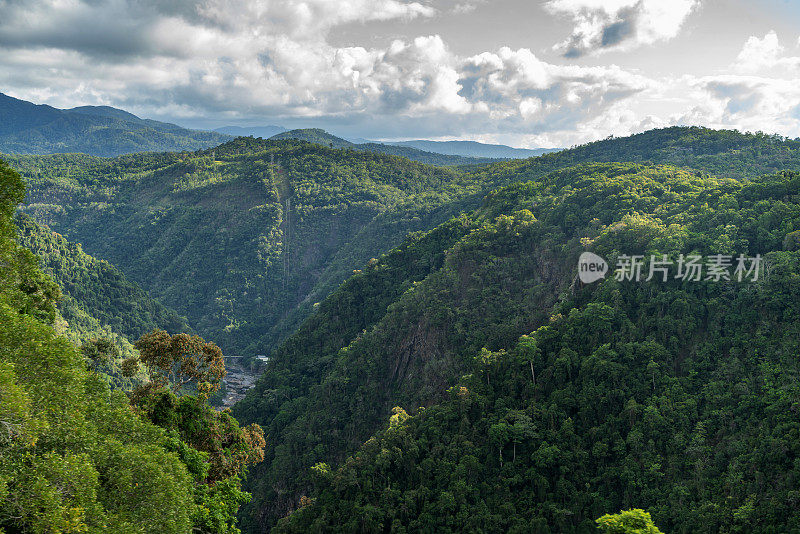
(75,455)
(181,360)
(674,396)
(635,521)
(523,400)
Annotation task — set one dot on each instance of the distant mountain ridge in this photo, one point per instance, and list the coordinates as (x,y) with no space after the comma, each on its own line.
(468,149)
(472,149)
(321,137)
(27,128)
(264,132)
(459,149)
(106,111)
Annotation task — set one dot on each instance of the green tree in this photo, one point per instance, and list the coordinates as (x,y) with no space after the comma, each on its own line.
(634,521)
(181,360)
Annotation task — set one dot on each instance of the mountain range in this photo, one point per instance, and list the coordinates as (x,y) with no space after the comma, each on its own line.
(27,128)
(268,228)
(467,149)
(473,149)
(431,157)
(435,362)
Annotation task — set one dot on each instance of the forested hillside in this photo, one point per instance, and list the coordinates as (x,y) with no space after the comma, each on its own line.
(314,135)
(209,233)
(519,399)
(97,301)
(78,455)
(722,152)
(538,404)
(238,237)
(26,128)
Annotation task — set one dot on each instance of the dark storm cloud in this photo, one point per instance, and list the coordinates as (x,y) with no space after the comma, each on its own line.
(96,28)
(93,28)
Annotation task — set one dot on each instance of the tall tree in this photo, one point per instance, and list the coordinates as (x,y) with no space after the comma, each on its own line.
(181,360)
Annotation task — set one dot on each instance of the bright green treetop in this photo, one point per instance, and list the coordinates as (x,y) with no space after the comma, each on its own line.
(634,521)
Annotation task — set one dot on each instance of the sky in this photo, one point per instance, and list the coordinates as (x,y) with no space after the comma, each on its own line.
(550,73)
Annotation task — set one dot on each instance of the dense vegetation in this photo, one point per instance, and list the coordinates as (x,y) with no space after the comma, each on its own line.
(465,380)
(238,237)
(26,128)
(77,455)
(209,233)
(97,301)
(314,135)
(722,152)
(678,397)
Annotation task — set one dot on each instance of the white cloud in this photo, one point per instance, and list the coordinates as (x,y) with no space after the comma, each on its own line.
(238,59)
(757,53)
(752,102)
(465,7)
(766,53)
(235,58)
(603,25)
(309,19)
(759,92)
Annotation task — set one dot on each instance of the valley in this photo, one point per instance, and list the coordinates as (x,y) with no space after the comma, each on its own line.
(399,266)
(386,320)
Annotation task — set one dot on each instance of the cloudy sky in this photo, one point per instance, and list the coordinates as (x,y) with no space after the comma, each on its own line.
(523,72)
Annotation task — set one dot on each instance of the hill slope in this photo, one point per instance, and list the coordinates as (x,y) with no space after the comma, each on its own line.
(158,217)
(210,233)
(237,242)
(98,130)
(614,401)
(97,300)
(79,454)
(722,152)
(75,456)
(314,135)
